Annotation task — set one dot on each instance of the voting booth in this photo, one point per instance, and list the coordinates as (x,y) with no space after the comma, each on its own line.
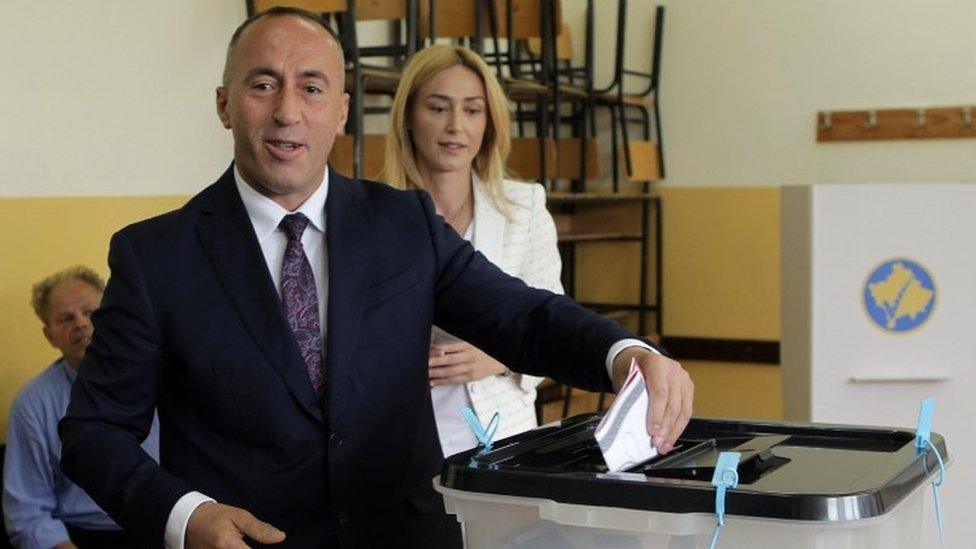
(812,485)
(878,301)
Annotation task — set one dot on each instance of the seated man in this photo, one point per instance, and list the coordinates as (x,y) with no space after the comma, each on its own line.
(42,508)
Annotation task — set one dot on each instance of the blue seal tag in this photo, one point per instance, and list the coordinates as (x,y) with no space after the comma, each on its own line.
(482,433)
(923,442)
(726,476)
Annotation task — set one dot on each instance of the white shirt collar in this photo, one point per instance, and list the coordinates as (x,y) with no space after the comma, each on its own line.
(266,214)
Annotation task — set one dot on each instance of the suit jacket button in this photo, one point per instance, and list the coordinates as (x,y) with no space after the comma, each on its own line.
(335,439)
(342,518)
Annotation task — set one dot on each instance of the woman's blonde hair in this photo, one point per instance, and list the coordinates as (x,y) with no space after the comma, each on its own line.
(400,162)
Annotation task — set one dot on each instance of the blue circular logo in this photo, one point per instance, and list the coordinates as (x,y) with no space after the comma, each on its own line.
(899,295)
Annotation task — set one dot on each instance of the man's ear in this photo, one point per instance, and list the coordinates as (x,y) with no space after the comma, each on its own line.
(345,114)
(222,107)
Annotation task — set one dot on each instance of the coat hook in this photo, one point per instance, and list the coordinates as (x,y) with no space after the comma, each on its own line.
(967,117)
(920,120)
(872,119)
(827,124)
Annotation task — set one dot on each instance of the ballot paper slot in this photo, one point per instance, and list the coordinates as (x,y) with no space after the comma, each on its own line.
(888,444)
(567,445)
(698,461)
(684,451)
(576,452)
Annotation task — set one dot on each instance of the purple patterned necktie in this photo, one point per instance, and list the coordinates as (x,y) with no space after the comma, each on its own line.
(300,299)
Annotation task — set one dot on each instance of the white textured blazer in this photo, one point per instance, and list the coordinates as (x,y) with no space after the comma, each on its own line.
(523,246)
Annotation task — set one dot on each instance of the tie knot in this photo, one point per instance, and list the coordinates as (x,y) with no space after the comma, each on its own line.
(294,225)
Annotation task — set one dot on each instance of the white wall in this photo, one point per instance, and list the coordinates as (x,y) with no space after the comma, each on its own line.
(115,97)
(112,97)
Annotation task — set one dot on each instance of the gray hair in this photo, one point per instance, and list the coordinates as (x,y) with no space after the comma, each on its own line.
(41,292)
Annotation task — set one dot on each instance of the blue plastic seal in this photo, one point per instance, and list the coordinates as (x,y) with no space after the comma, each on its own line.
(924,431)
(923,442)
(483,434)
(726,476)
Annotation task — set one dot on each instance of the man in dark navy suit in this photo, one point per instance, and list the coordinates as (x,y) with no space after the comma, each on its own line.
(280,323)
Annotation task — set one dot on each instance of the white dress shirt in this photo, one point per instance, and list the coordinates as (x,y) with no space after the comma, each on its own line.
(265,215)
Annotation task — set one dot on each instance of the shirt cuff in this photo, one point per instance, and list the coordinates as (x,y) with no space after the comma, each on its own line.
(619,347)
(179,517)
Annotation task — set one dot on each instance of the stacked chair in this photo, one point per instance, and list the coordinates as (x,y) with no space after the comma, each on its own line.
(554,107)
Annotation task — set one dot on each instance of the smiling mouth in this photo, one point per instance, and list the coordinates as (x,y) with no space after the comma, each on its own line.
(452,146)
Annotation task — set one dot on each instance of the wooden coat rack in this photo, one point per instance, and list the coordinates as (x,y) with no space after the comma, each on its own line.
(904,123)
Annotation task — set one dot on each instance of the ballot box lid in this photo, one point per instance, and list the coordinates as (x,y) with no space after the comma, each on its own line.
(794,471)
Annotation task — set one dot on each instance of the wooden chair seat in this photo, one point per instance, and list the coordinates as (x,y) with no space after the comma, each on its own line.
(523,91)
(377,81)
(573,92)
(631,100)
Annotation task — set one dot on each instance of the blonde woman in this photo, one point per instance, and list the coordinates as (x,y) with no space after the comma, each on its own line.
(449,136)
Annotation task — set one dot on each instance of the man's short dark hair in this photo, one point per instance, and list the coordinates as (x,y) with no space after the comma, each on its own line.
(280,11)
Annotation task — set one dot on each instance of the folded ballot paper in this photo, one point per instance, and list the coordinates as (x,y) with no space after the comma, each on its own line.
(622,434)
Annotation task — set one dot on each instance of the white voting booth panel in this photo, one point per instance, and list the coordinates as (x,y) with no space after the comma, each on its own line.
(907,253)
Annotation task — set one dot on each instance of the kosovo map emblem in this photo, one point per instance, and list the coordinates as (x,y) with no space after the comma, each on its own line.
(899,295)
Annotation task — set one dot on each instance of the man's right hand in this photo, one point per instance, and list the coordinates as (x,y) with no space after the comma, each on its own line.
(222,526)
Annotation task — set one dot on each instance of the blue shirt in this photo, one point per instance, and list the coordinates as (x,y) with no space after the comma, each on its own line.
(37,498)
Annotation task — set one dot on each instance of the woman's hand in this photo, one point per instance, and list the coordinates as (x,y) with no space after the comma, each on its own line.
(461,362)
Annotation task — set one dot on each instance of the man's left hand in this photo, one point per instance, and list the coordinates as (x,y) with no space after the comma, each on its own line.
(669,388)
(460,362)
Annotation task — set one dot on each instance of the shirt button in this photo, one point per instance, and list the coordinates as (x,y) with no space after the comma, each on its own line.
(335,439)
(342,518)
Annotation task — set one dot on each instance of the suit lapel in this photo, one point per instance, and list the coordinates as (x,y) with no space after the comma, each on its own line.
(348,237)
(228,238)
(489,229)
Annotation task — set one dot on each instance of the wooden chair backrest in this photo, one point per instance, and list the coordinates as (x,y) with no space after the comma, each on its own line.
(568,154)
(644,162)
(340,159)
(381,10)
(314,6)
(526,17)
(453,19)
(564,44)
(524,160)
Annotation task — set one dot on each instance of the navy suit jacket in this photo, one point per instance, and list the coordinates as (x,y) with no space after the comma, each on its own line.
(192,325)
